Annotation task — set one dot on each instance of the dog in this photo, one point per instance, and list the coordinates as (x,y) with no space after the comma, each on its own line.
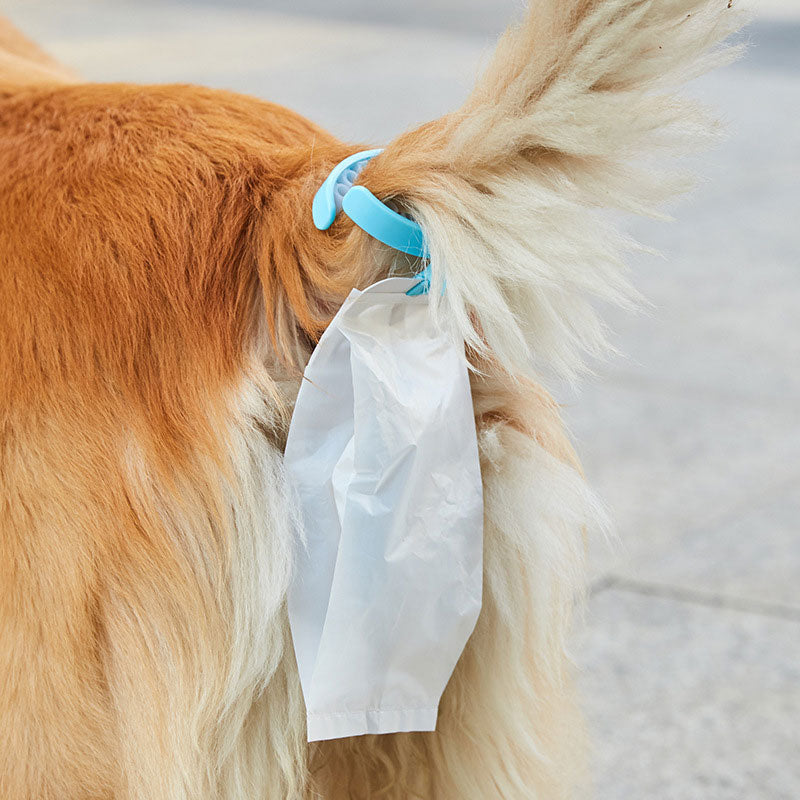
(162,286)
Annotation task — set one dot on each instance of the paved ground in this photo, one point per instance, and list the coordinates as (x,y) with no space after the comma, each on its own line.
(691,653)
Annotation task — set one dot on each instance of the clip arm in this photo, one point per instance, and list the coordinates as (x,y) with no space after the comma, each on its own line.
(370,214)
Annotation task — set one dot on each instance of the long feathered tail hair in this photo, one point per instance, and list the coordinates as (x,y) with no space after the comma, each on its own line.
(577,100)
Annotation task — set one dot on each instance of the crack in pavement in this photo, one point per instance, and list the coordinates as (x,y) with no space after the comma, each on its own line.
(695,597)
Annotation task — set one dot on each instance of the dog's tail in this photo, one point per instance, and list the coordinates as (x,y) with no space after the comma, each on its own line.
(509,188)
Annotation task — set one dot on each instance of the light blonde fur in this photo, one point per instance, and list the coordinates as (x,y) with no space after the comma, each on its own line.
(162,286)
(576,103)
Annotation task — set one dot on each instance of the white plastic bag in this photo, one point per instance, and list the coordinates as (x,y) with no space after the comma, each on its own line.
(382,454)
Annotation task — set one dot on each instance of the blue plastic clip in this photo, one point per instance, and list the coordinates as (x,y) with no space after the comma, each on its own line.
(424,285)
(376,218)
(387,226)
(328,199)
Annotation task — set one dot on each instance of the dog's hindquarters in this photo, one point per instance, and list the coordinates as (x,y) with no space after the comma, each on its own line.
(145,530)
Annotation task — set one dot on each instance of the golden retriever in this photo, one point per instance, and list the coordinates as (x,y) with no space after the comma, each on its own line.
(161,288)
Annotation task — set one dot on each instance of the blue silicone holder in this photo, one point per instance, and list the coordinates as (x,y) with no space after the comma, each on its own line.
(379,221)
(328,199)
(370,214)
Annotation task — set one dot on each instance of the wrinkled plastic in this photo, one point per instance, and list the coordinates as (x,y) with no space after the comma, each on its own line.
(383,458)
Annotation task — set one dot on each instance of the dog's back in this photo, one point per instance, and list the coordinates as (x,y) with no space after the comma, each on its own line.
(161,286)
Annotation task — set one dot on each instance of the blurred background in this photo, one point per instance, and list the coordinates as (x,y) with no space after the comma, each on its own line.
(690,651)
